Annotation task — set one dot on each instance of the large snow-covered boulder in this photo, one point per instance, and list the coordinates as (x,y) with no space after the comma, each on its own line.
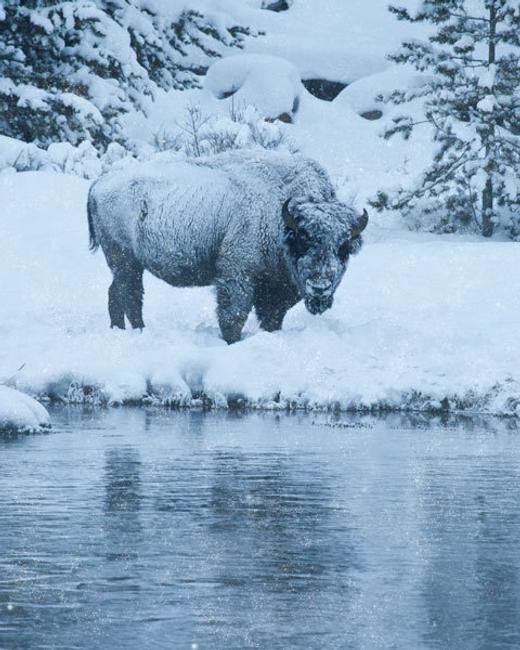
(361,95)
(21,413)
(269,83)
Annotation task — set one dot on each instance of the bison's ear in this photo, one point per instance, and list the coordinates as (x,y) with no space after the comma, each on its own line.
(359,225)
(287,217)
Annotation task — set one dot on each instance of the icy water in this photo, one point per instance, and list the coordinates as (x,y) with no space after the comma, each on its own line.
(134,529)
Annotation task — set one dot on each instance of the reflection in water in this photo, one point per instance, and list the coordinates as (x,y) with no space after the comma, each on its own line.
(134,529)
(496,567)
(122,496)
(269,536)
(287,520)
(473,515)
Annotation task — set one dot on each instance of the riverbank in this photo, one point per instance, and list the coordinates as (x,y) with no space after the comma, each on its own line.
(420,322)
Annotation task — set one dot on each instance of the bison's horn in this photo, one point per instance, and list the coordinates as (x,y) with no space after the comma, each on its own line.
(288,219)
(360,224)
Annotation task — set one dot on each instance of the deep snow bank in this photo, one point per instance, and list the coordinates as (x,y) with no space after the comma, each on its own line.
(418,322)
(20,413)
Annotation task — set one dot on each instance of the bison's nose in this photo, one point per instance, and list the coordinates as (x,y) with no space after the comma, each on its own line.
(318,287)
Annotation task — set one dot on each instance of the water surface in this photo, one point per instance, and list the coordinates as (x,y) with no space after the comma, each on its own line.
(143,529)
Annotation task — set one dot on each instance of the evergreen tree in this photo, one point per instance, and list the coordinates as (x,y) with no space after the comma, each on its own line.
(175,50)
(473,103)
(69,70)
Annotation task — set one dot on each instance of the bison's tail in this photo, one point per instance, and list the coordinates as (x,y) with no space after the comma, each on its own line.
(91,208)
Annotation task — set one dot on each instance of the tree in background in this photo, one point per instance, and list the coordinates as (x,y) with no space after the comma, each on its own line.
(472,101)
(70,70)
(175,49)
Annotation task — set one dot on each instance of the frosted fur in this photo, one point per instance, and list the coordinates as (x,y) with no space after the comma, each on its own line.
(219,221)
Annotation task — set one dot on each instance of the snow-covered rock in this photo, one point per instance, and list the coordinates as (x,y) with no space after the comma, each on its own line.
(271,84)
(21,413)
(361,95)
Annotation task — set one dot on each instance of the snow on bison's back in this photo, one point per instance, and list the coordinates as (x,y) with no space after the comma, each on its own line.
(265,228)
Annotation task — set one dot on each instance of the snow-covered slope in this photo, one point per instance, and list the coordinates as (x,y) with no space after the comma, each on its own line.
(337,40)
(419,322)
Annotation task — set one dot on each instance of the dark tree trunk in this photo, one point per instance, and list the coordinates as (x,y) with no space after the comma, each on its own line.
(487,209)
(487,195)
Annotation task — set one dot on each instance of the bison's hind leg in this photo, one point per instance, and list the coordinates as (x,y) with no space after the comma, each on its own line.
(125,295)
(116,309)
(133,297)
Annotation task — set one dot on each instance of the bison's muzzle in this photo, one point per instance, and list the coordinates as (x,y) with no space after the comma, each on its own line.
(318,296)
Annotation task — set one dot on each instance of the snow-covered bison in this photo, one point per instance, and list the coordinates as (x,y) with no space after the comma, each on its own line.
(265,228)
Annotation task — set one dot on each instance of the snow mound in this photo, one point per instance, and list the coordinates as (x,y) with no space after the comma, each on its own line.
(271,84)
(21,413)
(361,95)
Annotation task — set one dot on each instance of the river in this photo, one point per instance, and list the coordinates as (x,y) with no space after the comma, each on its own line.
(139,529)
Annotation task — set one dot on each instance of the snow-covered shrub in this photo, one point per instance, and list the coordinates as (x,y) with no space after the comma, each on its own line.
(70,69)
(199,134)
(83,160)
(472,101)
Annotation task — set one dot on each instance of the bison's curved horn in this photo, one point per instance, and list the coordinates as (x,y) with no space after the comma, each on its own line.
(360,225)
(288,219)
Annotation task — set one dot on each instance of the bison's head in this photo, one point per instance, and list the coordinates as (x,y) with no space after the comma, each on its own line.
(319,239)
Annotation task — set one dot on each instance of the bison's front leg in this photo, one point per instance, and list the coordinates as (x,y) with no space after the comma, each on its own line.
(234,302)
(271,305)
(271,317)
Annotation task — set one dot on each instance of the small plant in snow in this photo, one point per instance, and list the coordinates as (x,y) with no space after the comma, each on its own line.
(199,134)
(473,104)
(193,129)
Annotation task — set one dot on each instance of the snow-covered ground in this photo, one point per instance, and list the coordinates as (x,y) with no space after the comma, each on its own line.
(20,413)
(420,321)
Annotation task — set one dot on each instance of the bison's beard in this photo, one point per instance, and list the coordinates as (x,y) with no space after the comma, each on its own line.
(318,304)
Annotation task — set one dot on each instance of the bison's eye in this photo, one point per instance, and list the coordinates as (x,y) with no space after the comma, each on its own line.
(298,242)
(343,251)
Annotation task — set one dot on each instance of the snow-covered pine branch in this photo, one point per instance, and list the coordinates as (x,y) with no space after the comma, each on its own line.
(473,103)
(70,69)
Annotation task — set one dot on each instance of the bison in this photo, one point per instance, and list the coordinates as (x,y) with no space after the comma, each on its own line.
(265,228)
